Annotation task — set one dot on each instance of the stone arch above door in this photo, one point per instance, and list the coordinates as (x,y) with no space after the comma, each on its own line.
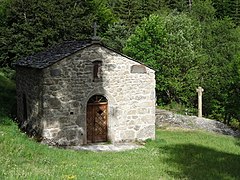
(101,91)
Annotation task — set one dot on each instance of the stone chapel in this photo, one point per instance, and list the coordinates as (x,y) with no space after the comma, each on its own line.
(83,92)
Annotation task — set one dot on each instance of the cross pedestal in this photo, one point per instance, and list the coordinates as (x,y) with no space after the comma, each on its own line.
(199,91)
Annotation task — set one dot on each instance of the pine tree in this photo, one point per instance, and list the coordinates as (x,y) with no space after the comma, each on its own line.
(148,7)
(234,10)
(31,25)
(179,5)
(127,11)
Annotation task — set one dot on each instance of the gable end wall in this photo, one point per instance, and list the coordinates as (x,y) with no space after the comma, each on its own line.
(68,84)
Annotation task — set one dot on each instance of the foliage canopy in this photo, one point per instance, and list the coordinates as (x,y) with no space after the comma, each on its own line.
(188,43)
(170,44)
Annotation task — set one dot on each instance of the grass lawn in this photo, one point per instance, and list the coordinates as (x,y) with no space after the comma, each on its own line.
(173,155)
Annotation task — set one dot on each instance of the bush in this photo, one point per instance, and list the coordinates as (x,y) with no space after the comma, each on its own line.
(7,93)
(180,109)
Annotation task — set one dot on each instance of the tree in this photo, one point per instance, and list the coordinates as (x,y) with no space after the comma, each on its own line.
(129,14)
(31,25)
(179,5)
(235,10)
(148,7)
(228,8)
(221,44)
(116,36)
(232,104)
(127,11)
(171,45)
(203,11)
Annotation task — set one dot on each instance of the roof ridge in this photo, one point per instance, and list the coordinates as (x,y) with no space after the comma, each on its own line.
(52,54)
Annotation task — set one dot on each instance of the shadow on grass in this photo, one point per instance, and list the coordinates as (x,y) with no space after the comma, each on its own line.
(238,141)
(4,120)
(199,162)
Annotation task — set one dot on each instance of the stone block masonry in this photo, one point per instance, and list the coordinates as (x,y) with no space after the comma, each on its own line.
(57,97)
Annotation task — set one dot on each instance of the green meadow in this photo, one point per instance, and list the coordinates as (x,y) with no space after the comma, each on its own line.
(173,155)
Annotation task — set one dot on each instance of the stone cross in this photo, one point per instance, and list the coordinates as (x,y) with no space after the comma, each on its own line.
(190,4)
(199,91)
(95,26)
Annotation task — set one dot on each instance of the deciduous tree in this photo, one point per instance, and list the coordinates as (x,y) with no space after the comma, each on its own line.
(171,45)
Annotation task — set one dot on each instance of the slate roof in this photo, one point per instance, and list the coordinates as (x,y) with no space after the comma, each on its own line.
(50,56)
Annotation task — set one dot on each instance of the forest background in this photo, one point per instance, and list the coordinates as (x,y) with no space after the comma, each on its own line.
(189,43)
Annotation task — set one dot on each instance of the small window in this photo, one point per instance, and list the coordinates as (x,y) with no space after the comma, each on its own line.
(55,72)
(138,69)
(24,107)
(97,70)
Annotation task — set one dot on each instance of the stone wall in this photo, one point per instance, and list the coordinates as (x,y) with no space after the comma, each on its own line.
(29,85)
(68,85)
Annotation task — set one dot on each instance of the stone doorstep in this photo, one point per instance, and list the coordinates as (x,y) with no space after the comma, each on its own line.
(106,147)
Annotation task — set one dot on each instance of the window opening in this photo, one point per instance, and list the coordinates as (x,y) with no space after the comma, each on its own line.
(24,107)
(97,69)
(138,69)
(97,99)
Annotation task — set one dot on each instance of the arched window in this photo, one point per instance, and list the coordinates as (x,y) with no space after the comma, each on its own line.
(97,99)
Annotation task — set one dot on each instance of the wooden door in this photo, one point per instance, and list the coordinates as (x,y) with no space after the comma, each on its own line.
(97,122)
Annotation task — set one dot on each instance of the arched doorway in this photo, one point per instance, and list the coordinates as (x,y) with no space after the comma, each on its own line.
(97,119)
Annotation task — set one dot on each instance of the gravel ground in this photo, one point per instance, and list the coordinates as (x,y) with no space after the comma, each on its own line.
(107,147)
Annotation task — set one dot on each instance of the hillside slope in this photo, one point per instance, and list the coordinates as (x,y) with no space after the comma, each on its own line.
(168,119)
(7,94)
(173,155)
